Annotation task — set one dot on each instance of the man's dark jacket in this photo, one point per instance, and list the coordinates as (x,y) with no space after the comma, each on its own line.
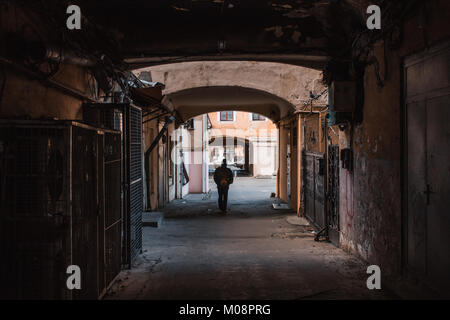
(223,176)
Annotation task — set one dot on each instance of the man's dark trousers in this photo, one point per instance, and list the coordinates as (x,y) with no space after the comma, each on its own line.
(223,197)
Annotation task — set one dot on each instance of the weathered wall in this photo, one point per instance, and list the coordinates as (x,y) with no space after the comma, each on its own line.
(149,133)
(313,131)
(370,196)
(289,82)
(295,162)
(196,157)
(284,141)
(22,95)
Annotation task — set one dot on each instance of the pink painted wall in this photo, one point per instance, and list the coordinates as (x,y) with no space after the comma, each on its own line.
(195,178)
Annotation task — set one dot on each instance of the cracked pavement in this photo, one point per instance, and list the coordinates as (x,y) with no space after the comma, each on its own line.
(252,252)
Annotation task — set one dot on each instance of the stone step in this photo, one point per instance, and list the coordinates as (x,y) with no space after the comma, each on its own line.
(281,206)
(152,219)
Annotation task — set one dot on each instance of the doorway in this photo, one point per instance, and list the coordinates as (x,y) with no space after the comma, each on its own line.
(427,118)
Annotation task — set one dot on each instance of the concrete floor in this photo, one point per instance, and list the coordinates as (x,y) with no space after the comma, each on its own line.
(252,252)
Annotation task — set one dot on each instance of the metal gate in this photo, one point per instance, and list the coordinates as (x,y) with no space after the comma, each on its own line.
(85,209)
(35,210)
(133,187)
(333,193)
(288,173)
(128,119)
(59,206)
(314,188)
(110,217)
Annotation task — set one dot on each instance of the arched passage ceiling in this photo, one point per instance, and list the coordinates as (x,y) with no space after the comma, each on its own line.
(120,35)
(196,101)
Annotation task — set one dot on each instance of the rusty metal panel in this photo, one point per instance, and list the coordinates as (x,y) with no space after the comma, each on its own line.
(112,193)
(97,222)
(34,210)
(319,192)
(52,208)
(308,187)
(311,133)
(333,193)
(113,204)
(112,178)
(113,250)
(101,151)
(103,115)
(85,210)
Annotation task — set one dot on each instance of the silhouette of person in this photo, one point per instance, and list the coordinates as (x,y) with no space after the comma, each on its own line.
(223,177)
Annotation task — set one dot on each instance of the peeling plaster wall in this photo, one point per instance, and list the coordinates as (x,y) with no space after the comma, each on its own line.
(22,96)
(289,82)
(149,133)
(28,98)
(313,132)
(370,196)
(284,141)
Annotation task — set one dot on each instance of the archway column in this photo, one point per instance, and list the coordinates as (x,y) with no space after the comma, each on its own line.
(283,133)
(289,178)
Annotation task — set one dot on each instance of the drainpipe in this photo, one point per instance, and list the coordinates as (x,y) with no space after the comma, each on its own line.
(169,120)
(160,134)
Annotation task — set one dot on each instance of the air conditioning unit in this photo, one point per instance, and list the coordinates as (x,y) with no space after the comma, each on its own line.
(103,115)
(343,96)
(341,101)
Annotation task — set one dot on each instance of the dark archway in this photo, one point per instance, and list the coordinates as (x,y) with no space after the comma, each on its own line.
(196,101)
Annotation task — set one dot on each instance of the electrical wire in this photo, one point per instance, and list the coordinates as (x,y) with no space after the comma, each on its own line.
(309,103)
(90,43)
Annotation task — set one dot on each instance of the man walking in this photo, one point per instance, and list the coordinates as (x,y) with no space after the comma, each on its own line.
(223,177)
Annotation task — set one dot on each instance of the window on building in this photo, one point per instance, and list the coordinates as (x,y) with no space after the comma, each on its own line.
(190,124)
(258,117)
(226,116)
